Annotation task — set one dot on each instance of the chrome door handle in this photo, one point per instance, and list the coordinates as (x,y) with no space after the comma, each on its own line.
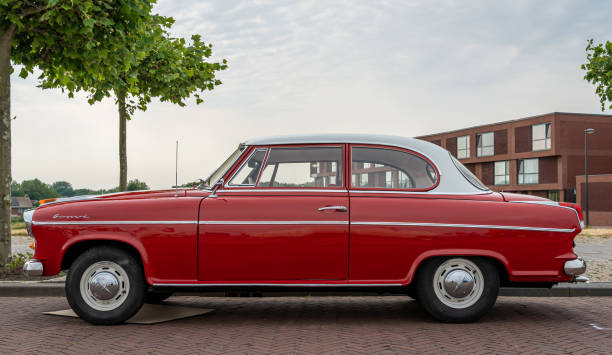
(333,208)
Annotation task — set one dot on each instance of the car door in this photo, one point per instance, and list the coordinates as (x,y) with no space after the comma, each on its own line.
(385,190)
(282,215)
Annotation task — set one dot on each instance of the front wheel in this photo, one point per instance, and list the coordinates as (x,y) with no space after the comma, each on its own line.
(105,285)
(457,289)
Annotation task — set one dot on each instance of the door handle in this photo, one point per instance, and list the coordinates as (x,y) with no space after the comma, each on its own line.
(333,208)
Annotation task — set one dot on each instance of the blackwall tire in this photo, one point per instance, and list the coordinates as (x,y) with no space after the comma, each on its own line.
(457,289)
(105,285)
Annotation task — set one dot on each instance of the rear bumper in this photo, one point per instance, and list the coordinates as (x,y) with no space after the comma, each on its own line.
(574,267)
(33,268)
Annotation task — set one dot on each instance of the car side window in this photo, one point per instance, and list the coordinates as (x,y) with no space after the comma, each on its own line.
(248,173)
(303,167)
(384,168)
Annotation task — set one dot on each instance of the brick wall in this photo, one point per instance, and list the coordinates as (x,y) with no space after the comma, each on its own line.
(522,139)
(600,198)
(488,173)
(451,146)
(501,141)
(548,170)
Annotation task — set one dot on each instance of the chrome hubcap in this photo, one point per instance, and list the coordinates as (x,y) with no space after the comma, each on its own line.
(104,285)
(458,283)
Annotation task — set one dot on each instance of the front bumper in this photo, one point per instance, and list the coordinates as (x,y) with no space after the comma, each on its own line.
(574,268)
(33,268)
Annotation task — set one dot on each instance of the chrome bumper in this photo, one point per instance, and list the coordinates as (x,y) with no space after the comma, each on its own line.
(574,267)
(33,268)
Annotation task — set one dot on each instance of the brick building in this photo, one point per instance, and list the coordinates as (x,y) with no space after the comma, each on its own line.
(539,155)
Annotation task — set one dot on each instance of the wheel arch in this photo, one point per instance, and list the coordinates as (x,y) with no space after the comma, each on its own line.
(501,263)
(72,250)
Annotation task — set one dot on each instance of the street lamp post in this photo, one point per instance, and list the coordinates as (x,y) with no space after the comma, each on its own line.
(586,172)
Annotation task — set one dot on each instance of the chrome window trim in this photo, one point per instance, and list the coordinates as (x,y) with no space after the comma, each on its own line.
(363,191)
(458,225)
(278,285)
(281,190)
(228,185)
(420,192)
(423,157)
(209,188)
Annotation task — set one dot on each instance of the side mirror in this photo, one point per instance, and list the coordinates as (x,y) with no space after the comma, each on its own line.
(218,184)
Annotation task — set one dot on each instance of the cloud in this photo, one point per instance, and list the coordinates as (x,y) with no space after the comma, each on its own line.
(398,67)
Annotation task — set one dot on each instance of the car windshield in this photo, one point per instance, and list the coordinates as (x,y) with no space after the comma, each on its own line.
(218,173)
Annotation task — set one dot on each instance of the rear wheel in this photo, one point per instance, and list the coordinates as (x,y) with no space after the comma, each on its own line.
(105,285)
(457,289)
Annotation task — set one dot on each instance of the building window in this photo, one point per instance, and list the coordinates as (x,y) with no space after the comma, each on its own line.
(463,147)
(528,171)
(540,136)
(502,172)
(554,195)
(484,144)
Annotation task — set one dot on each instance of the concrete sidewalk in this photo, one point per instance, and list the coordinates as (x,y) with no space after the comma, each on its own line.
(51,288)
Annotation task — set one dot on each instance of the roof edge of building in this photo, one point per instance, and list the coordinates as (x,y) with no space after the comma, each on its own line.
(514,120)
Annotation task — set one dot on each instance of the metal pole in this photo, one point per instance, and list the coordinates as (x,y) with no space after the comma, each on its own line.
(176,171)
(586,173)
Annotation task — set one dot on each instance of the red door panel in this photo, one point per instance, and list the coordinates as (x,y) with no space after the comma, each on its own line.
(273,236)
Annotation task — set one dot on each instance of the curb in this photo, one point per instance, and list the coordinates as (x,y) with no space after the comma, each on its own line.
(56,289)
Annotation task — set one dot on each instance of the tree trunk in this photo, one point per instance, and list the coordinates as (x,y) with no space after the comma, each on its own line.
(6,39)
(122,142)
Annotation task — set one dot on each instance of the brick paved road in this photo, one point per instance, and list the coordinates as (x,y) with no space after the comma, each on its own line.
(317,325)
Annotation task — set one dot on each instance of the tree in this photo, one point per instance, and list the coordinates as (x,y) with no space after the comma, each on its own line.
(64,188)
(599,70)
(135,185)
(16,189)
(73,43)
(171,70)
(38,190)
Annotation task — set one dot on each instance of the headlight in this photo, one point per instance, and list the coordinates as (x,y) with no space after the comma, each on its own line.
(27,217)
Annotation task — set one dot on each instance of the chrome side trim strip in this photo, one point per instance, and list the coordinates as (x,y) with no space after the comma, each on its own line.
(456,225)
(281,190)
(45,223)
(401,224)
(277,285)
(273,222)
(430,192)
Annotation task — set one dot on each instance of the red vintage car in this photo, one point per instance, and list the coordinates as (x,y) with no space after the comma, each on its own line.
(341,212)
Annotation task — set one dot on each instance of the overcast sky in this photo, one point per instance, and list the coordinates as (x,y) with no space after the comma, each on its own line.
(392,67)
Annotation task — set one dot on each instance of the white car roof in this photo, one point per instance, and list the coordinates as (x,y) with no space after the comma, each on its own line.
(451,180)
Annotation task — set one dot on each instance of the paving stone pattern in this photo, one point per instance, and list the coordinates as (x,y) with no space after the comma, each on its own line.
(317,325)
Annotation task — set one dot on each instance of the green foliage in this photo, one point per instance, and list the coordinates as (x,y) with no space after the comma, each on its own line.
(78,44)
(38,190)
(16,220)
(16,189)
(135,185)
(599,70)
(16,261)
(64,188)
